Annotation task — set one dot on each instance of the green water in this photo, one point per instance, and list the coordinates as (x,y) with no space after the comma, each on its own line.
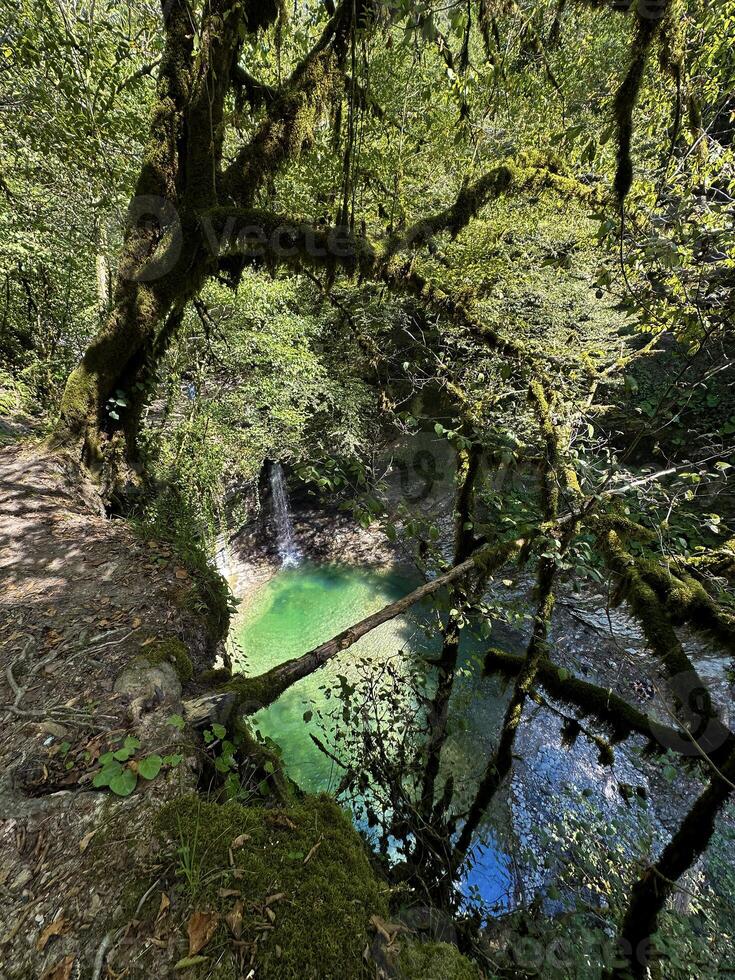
(298,609)
(301,607)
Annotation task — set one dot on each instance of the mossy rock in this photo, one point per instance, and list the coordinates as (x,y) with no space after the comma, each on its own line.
(310,855)
(171,651)
(435,961)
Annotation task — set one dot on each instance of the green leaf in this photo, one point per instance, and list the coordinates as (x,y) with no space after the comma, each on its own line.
(124,783)
(122,755)
(176,720)
(150,767)
(106,759)
(219,730)
(173,760)
(105,776)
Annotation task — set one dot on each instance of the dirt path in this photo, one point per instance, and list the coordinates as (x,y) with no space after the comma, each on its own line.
(80,598)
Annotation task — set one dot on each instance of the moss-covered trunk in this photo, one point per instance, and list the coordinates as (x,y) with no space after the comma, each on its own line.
(165,257)
(500,762)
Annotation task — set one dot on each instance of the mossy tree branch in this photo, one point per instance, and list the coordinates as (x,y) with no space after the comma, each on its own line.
(255,693)
(500,762)
(468,467)
(689,691)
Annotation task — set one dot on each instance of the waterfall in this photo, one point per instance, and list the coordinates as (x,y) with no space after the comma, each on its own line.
(285,541)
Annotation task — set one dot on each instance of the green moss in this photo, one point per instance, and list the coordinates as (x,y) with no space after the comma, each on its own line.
(252,693)
(215,676)
(171,651)
(553,461)
(622,525)
(321,921)
(78,401)
(435,961)
(490,559)
(687,601)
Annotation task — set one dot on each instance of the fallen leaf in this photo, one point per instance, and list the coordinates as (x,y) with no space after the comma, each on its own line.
(56,928)
(163,907)
(239,841)
(228,892)
(234,920)
(136,622)
(60,970)
(275,898)
(85,841)
(271,914)
(181,573)
(201,928)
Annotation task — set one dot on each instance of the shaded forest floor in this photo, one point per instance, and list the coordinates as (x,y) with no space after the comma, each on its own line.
(82,598)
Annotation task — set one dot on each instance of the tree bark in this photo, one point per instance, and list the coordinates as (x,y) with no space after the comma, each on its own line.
(164,259)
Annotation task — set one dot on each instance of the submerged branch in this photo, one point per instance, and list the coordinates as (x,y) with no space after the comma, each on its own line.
(607,707)
(657,883)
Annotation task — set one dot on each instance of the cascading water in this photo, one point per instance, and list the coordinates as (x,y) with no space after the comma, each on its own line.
(285,540)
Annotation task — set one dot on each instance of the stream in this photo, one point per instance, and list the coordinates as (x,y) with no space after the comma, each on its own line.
(555,787)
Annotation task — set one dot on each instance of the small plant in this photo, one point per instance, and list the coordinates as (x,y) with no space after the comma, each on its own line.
(222,750)
(119,769)
(189,867)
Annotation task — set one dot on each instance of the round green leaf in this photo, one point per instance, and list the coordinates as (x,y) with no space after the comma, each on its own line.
(150,767)
(106,774)
(124,783)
